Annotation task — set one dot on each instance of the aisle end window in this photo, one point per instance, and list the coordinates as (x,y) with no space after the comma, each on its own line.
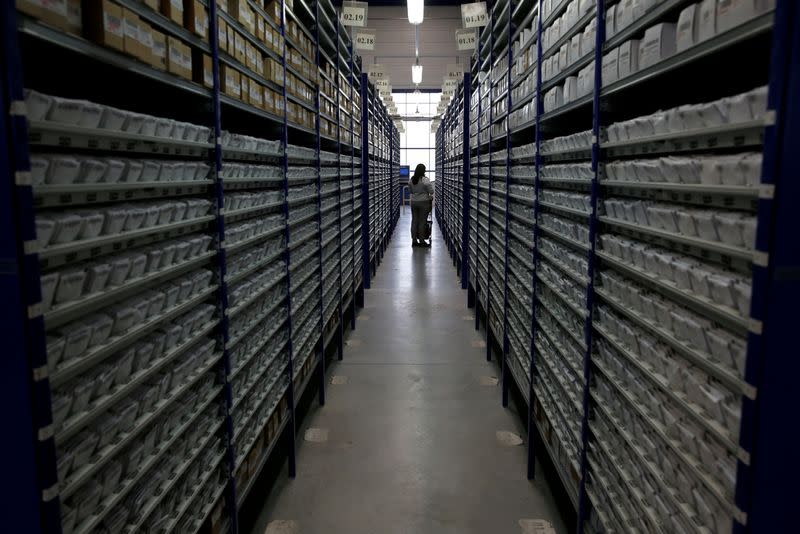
(418,143)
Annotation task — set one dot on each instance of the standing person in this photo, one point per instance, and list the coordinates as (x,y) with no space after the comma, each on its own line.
(421,205)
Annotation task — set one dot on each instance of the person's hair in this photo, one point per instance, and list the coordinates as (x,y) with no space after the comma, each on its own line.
(419,172)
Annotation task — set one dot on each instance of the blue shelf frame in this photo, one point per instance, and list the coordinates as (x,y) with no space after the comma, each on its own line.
(764,497)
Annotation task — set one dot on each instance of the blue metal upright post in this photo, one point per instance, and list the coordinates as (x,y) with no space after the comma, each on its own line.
(765,489)
(465,186)
(365,164)
(290,394)
(488,299)
(534,253)
(231,494)
(32,504)
(505,229)
(588,331)
(322,318)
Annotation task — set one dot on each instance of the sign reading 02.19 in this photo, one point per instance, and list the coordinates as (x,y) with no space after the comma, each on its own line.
(474,15)
(354,13)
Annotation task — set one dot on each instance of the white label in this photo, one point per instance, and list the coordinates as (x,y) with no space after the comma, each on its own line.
(474,15)
(160,49)
(112,24)
(131,30)
(208,77)
(354,13)
(376,72)
(455,71)
(365,40)
(466,39)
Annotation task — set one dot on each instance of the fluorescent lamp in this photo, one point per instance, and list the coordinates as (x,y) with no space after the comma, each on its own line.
(416,74)
(416,11)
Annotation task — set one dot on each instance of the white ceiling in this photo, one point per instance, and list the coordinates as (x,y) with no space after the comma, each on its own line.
(394,44)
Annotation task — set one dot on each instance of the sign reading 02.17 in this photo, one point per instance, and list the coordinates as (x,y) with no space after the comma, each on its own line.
(354,13)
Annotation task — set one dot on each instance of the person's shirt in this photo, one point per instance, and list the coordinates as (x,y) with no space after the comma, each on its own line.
(422,191)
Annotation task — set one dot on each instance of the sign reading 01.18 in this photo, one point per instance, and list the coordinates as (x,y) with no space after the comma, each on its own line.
(354,13)
(466,39)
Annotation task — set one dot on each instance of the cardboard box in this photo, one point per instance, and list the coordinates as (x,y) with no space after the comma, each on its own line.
(610,71)
(256,94)
(74,22)
(222,32)
(250,55)
(244,81)
(570,89)
(146,43)
(575,48)
(658,44)
(130,26)
(624,15)
(628,62)
(611,28)
(159,50)
(239,47)
(230,81)
(54,12)
(173,9)
(261,26)
(223,5)
(732,13)
(706,23)
(179,58)
(155,5)
(269,100)
(30,7)
(102,23)
(686,33)
(205,75)
(196,18)
(274,10)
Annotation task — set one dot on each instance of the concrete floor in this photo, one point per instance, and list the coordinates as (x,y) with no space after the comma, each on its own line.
(411,442)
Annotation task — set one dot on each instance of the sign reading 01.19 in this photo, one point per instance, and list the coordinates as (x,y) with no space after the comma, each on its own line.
(354,13)
(474,15)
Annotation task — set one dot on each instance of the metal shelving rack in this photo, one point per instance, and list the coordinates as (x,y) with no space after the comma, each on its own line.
(637,444)
(133,437)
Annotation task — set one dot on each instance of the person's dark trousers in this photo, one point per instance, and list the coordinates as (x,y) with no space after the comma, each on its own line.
(419,217)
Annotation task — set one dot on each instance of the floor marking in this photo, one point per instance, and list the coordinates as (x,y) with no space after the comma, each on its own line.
(488,380)
(536,526)
(478,344)
(353,342)
(316,435)
(338,380)
(509,439)
(282,526)
(467,318)
(363,317)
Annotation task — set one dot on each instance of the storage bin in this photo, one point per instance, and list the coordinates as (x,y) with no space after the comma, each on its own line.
(729,227)
(150,216)
(110,480)
(97,275)
(133,171)
(101,326)
(113,119)
(92,171)
(115,170)
(719,345)
(168,253)
(123,367)
(185,290)
(749,232)
(124,316)
(147,403)
(90,115)
(63,170)
(65,110)
(168,172)
(156,301)
(120,270)
(172,335)
(82,394)
(686,223)
(48,282)
(86,501)
(127,413)
(39,168)
(153,259)
(76,340)
(37,104)
(103,382)
(742,291)
(151,170)
(181,251)
(164,128)
(55,351)
(93,222)
(180,211)
(171,293)
(133,123)
(138,265)
(62,404)
(115,220)
(148,126)
(135,218)
(165,213)
(699,280)
(705,222)
(142,355)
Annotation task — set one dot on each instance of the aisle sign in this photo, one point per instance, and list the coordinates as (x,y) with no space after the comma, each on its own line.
(376,72)
(474,15)
(455,70)
(466,39)
(365,39)
(451,83)
(354,13)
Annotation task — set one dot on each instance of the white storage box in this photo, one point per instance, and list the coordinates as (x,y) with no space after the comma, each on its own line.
(37,104)
(92,223)
(115,220)
(70,285)
(114,171)
(91,114)
(65,110)
(63,170)
(92,171)
(97,275)
(628,58)
(100,325)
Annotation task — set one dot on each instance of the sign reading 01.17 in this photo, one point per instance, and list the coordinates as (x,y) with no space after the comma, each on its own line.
(354,13)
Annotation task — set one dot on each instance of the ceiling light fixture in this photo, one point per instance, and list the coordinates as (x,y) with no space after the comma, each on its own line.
(416,11)
(416,73)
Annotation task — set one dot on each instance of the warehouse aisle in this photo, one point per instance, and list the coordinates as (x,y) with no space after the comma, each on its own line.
(407,442)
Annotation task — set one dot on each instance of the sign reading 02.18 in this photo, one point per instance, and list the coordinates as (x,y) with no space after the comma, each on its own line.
(365,39)
(474,15)
(354,13)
